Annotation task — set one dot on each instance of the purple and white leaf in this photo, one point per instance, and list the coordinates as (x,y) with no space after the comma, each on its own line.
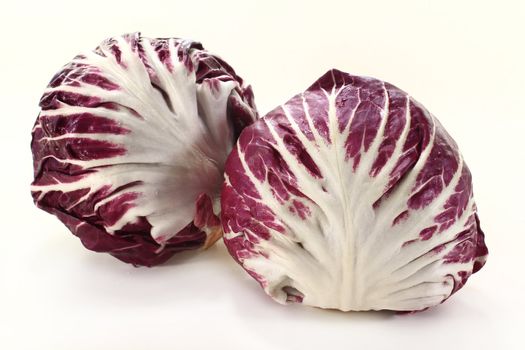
(130,144)
(352,196)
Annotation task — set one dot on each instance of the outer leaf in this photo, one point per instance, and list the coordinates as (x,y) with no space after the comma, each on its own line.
(352,196)
(130,145)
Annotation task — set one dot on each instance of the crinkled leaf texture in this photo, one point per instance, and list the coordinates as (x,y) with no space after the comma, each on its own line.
(352,196)
(130,144)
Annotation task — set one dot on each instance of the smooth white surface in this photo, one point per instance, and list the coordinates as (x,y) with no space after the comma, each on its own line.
(462,59)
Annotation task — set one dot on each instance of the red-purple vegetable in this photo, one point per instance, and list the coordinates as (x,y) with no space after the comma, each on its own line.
(352,196)
(130,144)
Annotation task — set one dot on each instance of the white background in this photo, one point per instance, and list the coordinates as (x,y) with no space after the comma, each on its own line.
(464,60)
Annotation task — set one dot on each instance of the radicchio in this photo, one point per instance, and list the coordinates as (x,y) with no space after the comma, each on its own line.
(130,144)
(352,196)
